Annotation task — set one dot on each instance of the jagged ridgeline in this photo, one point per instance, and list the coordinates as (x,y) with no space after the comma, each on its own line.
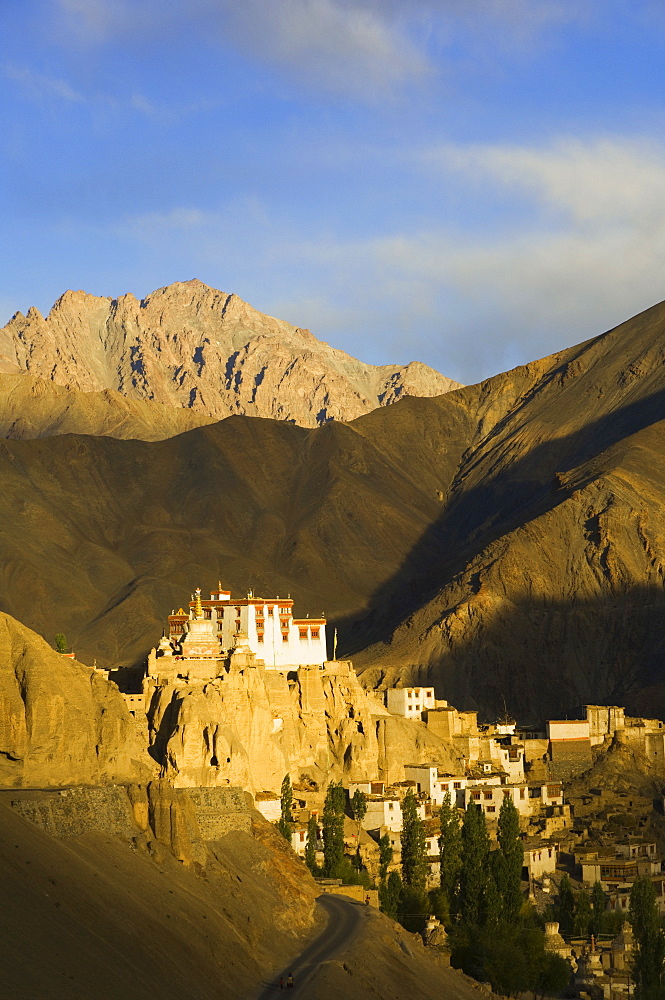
(186,346)
(501,541)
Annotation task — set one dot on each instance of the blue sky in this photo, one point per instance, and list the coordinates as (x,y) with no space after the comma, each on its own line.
(470,183)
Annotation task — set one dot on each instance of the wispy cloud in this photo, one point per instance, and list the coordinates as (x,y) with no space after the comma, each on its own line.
(41,87)
(346,46)
(365,49)
(584,253)
(45,89)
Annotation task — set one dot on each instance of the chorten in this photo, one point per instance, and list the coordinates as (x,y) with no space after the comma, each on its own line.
(201,638)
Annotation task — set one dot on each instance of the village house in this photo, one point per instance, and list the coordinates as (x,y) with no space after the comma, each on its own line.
(540,858)
(411,702)
(385,811)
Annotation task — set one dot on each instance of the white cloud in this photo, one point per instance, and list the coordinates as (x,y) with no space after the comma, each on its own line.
(366,49)
(348,46)
(602,182)
(587,253)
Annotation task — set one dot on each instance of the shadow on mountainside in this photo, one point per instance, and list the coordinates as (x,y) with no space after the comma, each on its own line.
(512,494)
(543,659)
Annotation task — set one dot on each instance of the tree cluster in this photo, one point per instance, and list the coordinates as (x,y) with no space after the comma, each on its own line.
(494,936)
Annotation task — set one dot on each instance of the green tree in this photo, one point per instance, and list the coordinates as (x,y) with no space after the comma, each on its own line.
(333,830)
(285,824)
(492,910)
(583,914)
(389,895)
(553,975)
(61,642)
(474,868)
(310,846)
(414,845)
(565,909)
(648,967)
(508,869)
(385,856)
(450,853)
(359,811)
(598,904)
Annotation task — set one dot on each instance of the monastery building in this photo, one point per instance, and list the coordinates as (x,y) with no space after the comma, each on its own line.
(266,625)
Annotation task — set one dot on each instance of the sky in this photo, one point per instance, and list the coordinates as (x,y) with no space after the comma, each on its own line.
(469,183)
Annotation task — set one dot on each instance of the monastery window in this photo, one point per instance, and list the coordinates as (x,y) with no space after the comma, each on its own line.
(285,636)
(303,633)
(491,809)
(457,784)
(549,852)
(489,795)
(506,793)
(315,633)
(444,788)
(554,790)
(260,636)
(475,795)
(522,793)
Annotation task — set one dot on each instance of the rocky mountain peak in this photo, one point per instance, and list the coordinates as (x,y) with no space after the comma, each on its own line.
(191,346)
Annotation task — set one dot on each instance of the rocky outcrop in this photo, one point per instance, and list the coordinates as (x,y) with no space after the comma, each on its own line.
(250,726)
(191,346)
(61,723)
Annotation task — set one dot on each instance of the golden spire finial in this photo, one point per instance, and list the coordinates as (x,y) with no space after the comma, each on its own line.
(219,585)
(198,607)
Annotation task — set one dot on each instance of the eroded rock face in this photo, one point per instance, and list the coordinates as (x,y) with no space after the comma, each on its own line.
(250,726)
(61,723)
(188,345)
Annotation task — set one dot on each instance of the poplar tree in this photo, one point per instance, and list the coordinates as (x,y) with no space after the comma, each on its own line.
(61,642)
(566,907)
(310,846)
(582,914)
(598,903)
(285,824)
(509,866)
(475,864)
(414,845)
(389,895)
(333,829)
(648,966)
(385,856)
(359,810)
(450,853)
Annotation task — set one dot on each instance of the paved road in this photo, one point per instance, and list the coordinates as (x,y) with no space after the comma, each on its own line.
(344,916)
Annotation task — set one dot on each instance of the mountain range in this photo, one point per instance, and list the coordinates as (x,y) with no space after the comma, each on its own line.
(504,542)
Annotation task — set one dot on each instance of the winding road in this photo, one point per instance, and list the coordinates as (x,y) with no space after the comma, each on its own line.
(344,916)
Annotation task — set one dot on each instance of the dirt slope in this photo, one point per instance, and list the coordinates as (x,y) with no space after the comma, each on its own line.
(33,407)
